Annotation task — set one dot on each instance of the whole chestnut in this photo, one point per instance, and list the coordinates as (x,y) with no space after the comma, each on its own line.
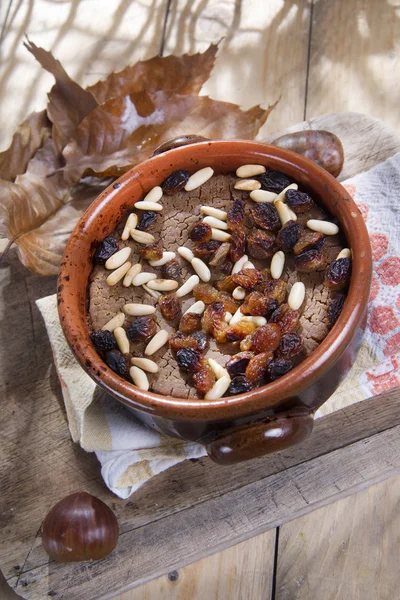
(79,527)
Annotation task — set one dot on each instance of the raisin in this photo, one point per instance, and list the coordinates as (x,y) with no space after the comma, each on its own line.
(205,292)
(175,182)
(103,340)
(237,364)
(236,214)
(151,252)
(171,270)
(245,344)
(274,181)
(201,339)
(299,202)
(290,345)
(188,359)
(116,361)
(226,284)
(288,236)
(309,240)
(204,379)
(147,218)
(170,306)
(279,367)
(141,328)
(226,267)
(238,244)
(266,277)
(106,249)
(266,216)
(206,250)
(276,289)
(247,278)
(238,331)
(257,366)
(256,304)
(190,322)
(266,338)
(335,308)
(239,385)
(213,321)
(260,244)
(287,319)
(310,260)
(200,232)
(220,255)
(180,340)
(338,274)
(230,305)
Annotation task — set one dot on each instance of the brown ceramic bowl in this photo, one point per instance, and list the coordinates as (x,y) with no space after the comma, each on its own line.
(264,420)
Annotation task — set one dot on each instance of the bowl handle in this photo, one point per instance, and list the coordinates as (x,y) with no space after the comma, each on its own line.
(182,140)
(260,438)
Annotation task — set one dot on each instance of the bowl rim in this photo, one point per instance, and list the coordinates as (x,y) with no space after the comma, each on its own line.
(272,395)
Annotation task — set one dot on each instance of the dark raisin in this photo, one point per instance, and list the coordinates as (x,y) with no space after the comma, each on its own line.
(288,236)
(171,270)
(147,218)
(266,338)
(310,260)
(151,252)
(237,244)
(200,232)
(170,306)
(201,340)
(279,367)
(206,250)
(266,216)
(190,322)
(298,201)
(338,274)
(188,359)
(247,278)
(287,319)
(103,340)
(106,249)
(274,181)
(335,308)
(237,364)
(220,255)
(141,328)
(309,240)
(260,244)
(116,361)
(204,379)
(175,182)
(238,331)
(236,214)
(257,366)
(239,385)
(290,345)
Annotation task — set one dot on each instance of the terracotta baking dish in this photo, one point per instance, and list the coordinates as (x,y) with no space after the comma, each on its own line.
(264,420)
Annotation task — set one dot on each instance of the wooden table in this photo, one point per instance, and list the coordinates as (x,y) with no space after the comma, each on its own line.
(322,56)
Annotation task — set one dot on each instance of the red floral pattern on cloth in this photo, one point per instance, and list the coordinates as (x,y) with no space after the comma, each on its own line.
(389,271)
(379,245)
(383,319)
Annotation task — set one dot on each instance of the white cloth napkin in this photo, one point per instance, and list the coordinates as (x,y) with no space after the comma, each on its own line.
(130,454)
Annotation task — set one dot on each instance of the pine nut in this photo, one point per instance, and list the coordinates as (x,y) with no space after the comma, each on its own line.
(145,363)
(163,285)
(228,317)
(247,185)
(166,257)
(282,194)
(219,235)
(198,308)
(142,278)
(277,264)
(259,321)
(146,205)
(238,266)
(138,310)
(188,286)
(218,370)
(131,223)
(284,212)
(248,265)
(201,269)
(118,274)
(154,195)
(139,378)
(345,253)
(238,316)
(214,212)
(158,341)
(118,259)
(122,339)
(142,237)
(263,196)
(325,227)
(198,178)
(115,322)
(296,295)
(247,171)
(186,253)
(217,223)
(131,274)
(218,389)
(152,293)
(239,293)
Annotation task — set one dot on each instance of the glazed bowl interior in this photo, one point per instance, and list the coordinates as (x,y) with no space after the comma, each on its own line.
(223,156)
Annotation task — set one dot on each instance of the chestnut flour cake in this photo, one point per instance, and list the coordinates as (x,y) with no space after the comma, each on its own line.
(264,268)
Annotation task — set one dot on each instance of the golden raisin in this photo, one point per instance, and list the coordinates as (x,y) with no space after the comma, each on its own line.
(180,340)
(190,322)
(266,338)
(226,284)
(238,244)
(214,312)
(236,214)
(309,240)
(257,366)
(151,252)
(206,250)
(205,292)
(247,278)
(200,232)
(245,344)
(256,304)
(238,331)
(204,379)
(229,303)
(266,216)
(309,260)
(276,288)
(260,244)
(287,319)
(170,306)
